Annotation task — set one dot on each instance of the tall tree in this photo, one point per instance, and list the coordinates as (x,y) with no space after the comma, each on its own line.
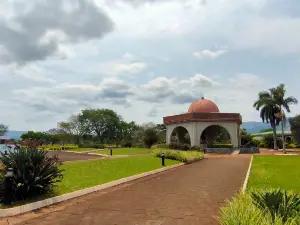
(273,105)
(268,108)
(284,104)
(101,122)
(3,129)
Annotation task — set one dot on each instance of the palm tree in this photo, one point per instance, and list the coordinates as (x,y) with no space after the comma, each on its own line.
(272,105)
(268,109)
(284,105)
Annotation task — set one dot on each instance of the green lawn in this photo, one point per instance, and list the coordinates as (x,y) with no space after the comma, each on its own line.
(125,151)
(275,172)
(81,149)
(80,175)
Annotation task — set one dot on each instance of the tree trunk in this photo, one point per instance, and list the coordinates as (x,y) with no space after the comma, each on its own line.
(283,139)
(275,137)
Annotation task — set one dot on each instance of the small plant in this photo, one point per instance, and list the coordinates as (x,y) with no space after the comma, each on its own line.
(278,203)
(35,173)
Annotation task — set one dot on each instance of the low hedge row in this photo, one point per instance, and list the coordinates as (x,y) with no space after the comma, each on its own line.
(100,146)
(59,147)
(183,156)
(220,146)
(177,146)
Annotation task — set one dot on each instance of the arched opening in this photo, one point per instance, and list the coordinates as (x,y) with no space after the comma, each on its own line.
(180,135)
(215,134)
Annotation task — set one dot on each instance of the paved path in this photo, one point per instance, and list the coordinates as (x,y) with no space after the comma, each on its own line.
(191,194)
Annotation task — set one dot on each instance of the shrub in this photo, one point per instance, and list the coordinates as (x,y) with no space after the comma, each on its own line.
(150,137)
(126,144)
(177,146)
(183,156)
(242,210)
(290,146)
(220,146)
(278,203)
(195,148)
(160,146)
(34,172)
(100,146)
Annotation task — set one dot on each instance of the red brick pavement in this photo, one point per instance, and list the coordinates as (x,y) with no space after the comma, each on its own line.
(191,194)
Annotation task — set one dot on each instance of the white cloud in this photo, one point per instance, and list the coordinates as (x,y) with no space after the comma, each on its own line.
(199,80)
(209,54)
(127,65)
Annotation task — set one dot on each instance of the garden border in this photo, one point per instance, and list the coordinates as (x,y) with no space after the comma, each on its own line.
(247,176)
(43,203)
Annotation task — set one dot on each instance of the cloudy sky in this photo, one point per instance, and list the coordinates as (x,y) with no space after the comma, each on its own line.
(144,59)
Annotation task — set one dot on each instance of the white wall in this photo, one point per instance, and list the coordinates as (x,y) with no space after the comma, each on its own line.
(195,130)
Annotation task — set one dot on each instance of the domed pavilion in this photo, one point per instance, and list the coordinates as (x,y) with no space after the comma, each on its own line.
(198,124)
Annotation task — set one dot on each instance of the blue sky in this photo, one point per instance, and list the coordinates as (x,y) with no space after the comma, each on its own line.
(144,59)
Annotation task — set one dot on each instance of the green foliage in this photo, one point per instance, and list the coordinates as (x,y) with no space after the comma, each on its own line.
(268,141)
(278,203)
(178,146)
(160,146)
(3,129)
(266,130)
(35,173)
(99,146)
(291,146)
(183,156)
(196,148)
(220,146)
(241,210)
(150,137)
(295,127)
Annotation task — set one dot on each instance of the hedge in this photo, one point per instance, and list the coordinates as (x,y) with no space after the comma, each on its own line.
(220,146)
(100,146)
(183,156)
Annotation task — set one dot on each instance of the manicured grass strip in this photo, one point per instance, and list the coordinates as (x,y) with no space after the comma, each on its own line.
(81,149)
(80,175)
(275,172)
(125,151)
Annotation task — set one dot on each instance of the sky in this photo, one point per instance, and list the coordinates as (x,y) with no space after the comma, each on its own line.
(145,59)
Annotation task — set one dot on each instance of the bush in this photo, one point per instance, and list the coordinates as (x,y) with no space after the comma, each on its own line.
(177,146)
(35,173)
(150,137)
(220,145)
(160,146)
(244,210)
(290,146)
(126,144)
(196,148)
(100,146)
(183,156)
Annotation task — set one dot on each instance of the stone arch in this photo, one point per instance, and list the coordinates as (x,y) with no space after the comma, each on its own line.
(216,133)
(181,135)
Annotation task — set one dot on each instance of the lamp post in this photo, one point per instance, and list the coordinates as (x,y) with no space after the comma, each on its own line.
(8,187)
(163,159)
(111,151)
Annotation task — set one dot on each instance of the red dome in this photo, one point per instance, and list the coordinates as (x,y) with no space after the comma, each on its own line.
(203,106)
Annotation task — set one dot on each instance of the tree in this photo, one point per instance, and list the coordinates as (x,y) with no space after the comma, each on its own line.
(268,109)
(100,122)
(3,129)
(73,127)
(284,104)
(150,137)
(295,127)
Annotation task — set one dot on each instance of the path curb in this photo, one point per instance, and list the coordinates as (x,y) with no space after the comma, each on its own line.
(247,176)
(40,204)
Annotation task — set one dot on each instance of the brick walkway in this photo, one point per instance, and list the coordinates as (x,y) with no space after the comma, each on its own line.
(191,194)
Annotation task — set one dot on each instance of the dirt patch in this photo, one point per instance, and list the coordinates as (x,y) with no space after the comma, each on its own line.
(70,156)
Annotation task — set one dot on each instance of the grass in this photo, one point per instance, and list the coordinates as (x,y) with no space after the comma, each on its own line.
(275,172)
(80,175)
(125,151)
(81,149)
